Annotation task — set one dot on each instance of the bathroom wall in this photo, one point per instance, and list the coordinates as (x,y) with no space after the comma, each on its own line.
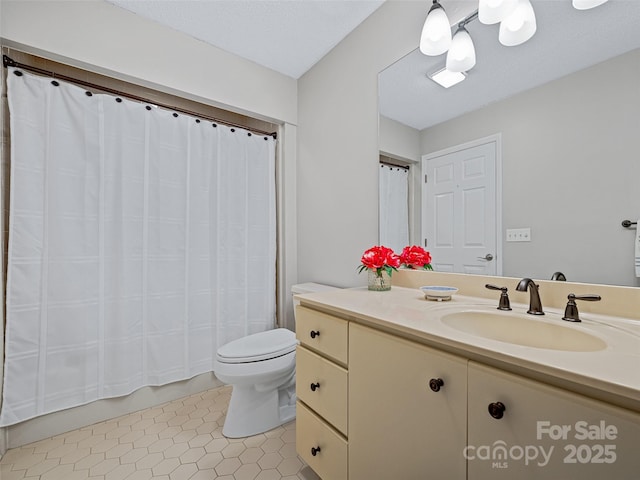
(397,140)
(111,40)
(569,171)
(338,141)
(102,38)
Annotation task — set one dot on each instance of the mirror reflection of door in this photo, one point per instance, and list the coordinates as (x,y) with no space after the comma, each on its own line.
(461,209)
(393,206)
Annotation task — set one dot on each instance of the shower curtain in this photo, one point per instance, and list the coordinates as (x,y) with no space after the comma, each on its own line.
(394,207)
(139,241)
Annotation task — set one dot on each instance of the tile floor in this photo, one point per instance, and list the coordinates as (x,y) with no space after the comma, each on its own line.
(178,440)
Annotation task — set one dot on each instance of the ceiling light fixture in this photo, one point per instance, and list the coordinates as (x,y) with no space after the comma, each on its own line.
(587,4)
(446,78)
(462,54)
(436,33)
(519,26)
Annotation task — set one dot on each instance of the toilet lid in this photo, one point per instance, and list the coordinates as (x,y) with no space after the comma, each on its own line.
(259,346)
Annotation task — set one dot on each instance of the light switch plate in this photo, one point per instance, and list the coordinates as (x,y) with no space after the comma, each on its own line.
(519,234)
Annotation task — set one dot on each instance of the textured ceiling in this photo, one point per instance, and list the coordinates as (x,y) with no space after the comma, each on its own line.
(288,36)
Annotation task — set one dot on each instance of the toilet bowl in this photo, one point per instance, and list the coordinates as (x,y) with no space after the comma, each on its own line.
(261,368)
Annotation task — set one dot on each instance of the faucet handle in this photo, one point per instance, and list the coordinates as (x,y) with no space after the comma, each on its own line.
(503,304)
(571,310)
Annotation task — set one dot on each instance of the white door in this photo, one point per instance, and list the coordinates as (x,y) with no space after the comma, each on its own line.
(461,210)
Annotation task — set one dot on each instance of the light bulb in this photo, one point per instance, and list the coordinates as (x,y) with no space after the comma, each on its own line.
(436,33)
(518,27)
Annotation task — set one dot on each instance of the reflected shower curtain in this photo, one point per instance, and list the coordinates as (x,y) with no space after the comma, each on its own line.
(140,240)
(394,207)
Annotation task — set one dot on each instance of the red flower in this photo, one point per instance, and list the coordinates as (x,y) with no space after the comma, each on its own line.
(415,256)
(379,258)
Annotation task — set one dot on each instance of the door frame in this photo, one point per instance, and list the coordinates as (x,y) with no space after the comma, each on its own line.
(497,139)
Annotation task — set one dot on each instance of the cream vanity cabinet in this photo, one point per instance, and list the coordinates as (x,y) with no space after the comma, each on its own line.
(321,389)
(524,429)
(407,409)
(375,406)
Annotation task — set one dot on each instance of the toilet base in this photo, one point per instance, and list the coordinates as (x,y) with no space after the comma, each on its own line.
(252,412)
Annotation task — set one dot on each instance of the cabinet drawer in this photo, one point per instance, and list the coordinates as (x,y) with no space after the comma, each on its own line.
(322,385)
(330,462)
(323,333)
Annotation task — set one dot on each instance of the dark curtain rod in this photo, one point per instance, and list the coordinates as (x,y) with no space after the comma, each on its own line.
(9,62)
(388,164)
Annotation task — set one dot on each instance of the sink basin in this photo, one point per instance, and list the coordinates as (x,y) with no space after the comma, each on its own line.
(510,328)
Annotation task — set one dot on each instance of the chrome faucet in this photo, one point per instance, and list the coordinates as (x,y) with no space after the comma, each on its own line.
(535,305)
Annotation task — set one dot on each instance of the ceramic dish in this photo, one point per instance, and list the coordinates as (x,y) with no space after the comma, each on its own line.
(438,292)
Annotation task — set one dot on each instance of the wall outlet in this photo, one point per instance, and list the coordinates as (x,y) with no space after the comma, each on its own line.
(519,234)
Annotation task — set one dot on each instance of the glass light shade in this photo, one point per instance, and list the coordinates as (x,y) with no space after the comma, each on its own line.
(587,4)
(518,27)
(436,33)
(462,54)
(494,11)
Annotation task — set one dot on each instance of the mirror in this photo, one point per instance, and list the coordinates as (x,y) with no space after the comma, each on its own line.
(567,106)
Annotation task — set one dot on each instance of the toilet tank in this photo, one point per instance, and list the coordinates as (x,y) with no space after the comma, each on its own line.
(308,288)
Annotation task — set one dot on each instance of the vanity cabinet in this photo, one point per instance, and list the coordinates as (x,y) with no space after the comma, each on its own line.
(407,409)
(521,428)
(321,390)
(375,404)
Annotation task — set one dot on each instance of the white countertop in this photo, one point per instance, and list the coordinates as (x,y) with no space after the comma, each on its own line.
(611,374)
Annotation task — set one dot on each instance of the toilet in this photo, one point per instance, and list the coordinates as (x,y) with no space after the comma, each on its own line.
(261,368)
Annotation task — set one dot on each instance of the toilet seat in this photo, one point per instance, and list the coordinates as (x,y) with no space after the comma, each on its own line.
(258,347)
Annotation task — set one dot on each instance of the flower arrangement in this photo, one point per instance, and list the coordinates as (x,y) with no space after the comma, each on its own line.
(414,256)
(381,261)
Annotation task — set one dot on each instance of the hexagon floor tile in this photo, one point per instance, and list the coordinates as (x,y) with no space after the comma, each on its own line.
(179,440)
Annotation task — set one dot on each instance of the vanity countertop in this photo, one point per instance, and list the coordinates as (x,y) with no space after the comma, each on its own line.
(611,374)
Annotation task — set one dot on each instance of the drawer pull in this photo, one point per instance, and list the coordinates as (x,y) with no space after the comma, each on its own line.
(315,333)
(314,387)
(435,384)
(496,410)
(315,451)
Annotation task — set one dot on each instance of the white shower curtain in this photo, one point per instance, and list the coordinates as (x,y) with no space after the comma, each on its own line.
(394,207)
(140,240)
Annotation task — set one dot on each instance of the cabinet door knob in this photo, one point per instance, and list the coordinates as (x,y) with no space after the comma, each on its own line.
(496,410)
(315,451)
(315,333)
(435,384)
(315,386)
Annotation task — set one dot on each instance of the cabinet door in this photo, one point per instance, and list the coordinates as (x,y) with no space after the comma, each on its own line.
(545,432)
(398,427)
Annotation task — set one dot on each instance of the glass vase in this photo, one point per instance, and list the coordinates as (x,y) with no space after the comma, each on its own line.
(379,282)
